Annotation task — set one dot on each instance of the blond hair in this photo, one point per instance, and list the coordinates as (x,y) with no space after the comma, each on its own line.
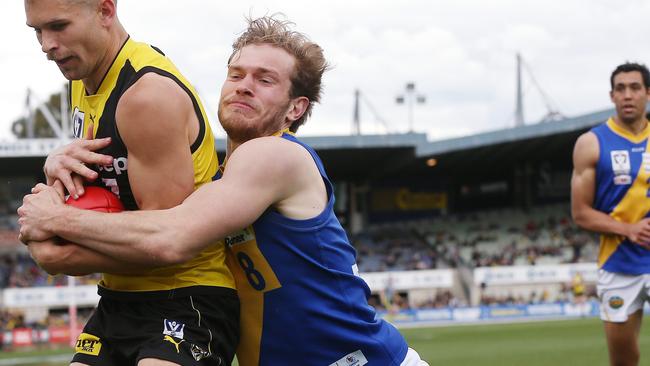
(306,79)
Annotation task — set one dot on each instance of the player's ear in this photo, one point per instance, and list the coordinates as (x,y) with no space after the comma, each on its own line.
(107,11)
(297,108)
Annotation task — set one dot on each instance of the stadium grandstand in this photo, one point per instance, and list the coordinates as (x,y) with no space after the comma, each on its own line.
(457,230)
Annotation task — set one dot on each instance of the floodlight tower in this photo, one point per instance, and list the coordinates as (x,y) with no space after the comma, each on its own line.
(410,97)
(519,111)
(356,120)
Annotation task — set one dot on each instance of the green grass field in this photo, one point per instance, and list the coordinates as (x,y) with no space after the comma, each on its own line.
(566,342)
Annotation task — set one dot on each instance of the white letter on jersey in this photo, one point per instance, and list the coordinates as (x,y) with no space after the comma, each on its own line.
(112,184)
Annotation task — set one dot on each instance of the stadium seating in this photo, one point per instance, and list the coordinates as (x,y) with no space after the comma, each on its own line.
(18,269)
(504,237)
(543,235)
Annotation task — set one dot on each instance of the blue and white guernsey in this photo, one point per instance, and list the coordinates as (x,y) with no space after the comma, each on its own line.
(622,191)
(302,302)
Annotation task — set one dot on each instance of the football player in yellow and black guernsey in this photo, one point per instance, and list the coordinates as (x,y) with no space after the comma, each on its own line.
(155,147)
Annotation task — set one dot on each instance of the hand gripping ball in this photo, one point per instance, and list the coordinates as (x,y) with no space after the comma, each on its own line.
(97,199)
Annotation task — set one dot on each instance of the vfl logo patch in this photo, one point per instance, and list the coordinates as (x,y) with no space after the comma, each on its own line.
(621,167)
(88,344)
(77,122)
(355,358)
(615,302)
(173,328)
(620,161)
(173,341)
(198,353)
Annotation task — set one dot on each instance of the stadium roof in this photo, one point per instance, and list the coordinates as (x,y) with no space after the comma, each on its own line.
(526,132)
(424,147)
(492,155)
(366,157)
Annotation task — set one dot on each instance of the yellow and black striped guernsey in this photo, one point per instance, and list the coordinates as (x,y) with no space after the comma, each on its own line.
(207,271)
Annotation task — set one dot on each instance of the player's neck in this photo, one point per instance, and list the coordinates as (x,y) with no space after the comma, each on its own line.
(92,83)
(231,146)
(635,127)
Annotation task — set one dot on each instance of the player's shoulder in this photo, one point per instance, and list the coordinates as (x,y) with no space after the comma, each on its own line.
(586,148)
(154,99)
(152,88)
(273,153)
(141,55)
(272,148)
(587,138)
(151,109)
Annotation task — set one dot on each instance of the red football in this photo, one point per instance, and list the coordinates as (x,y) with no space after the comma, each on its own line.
(97,199)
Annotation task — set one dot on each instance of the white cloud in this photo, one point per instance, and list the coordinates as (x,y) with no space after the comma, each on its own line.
(460,54)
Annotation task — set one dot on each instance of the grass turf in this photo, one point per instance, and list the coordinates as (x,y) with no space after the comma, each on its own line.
(566,342)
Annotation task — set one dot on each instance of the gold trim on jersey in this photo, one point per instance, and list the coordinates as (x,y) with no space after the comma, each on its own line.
(254,277)
(635,138)
(282,132)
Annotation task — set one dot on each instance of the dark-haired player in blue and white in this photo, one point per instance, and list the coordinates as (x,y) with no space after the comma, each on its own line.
(610,191)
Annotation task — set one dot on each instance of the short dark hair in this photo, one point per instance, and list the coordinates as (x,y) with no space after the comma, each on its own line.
(629,67)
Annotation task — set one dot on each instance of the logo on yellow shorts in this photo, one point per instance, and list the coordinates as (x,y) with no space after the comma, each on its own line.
(88,344)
